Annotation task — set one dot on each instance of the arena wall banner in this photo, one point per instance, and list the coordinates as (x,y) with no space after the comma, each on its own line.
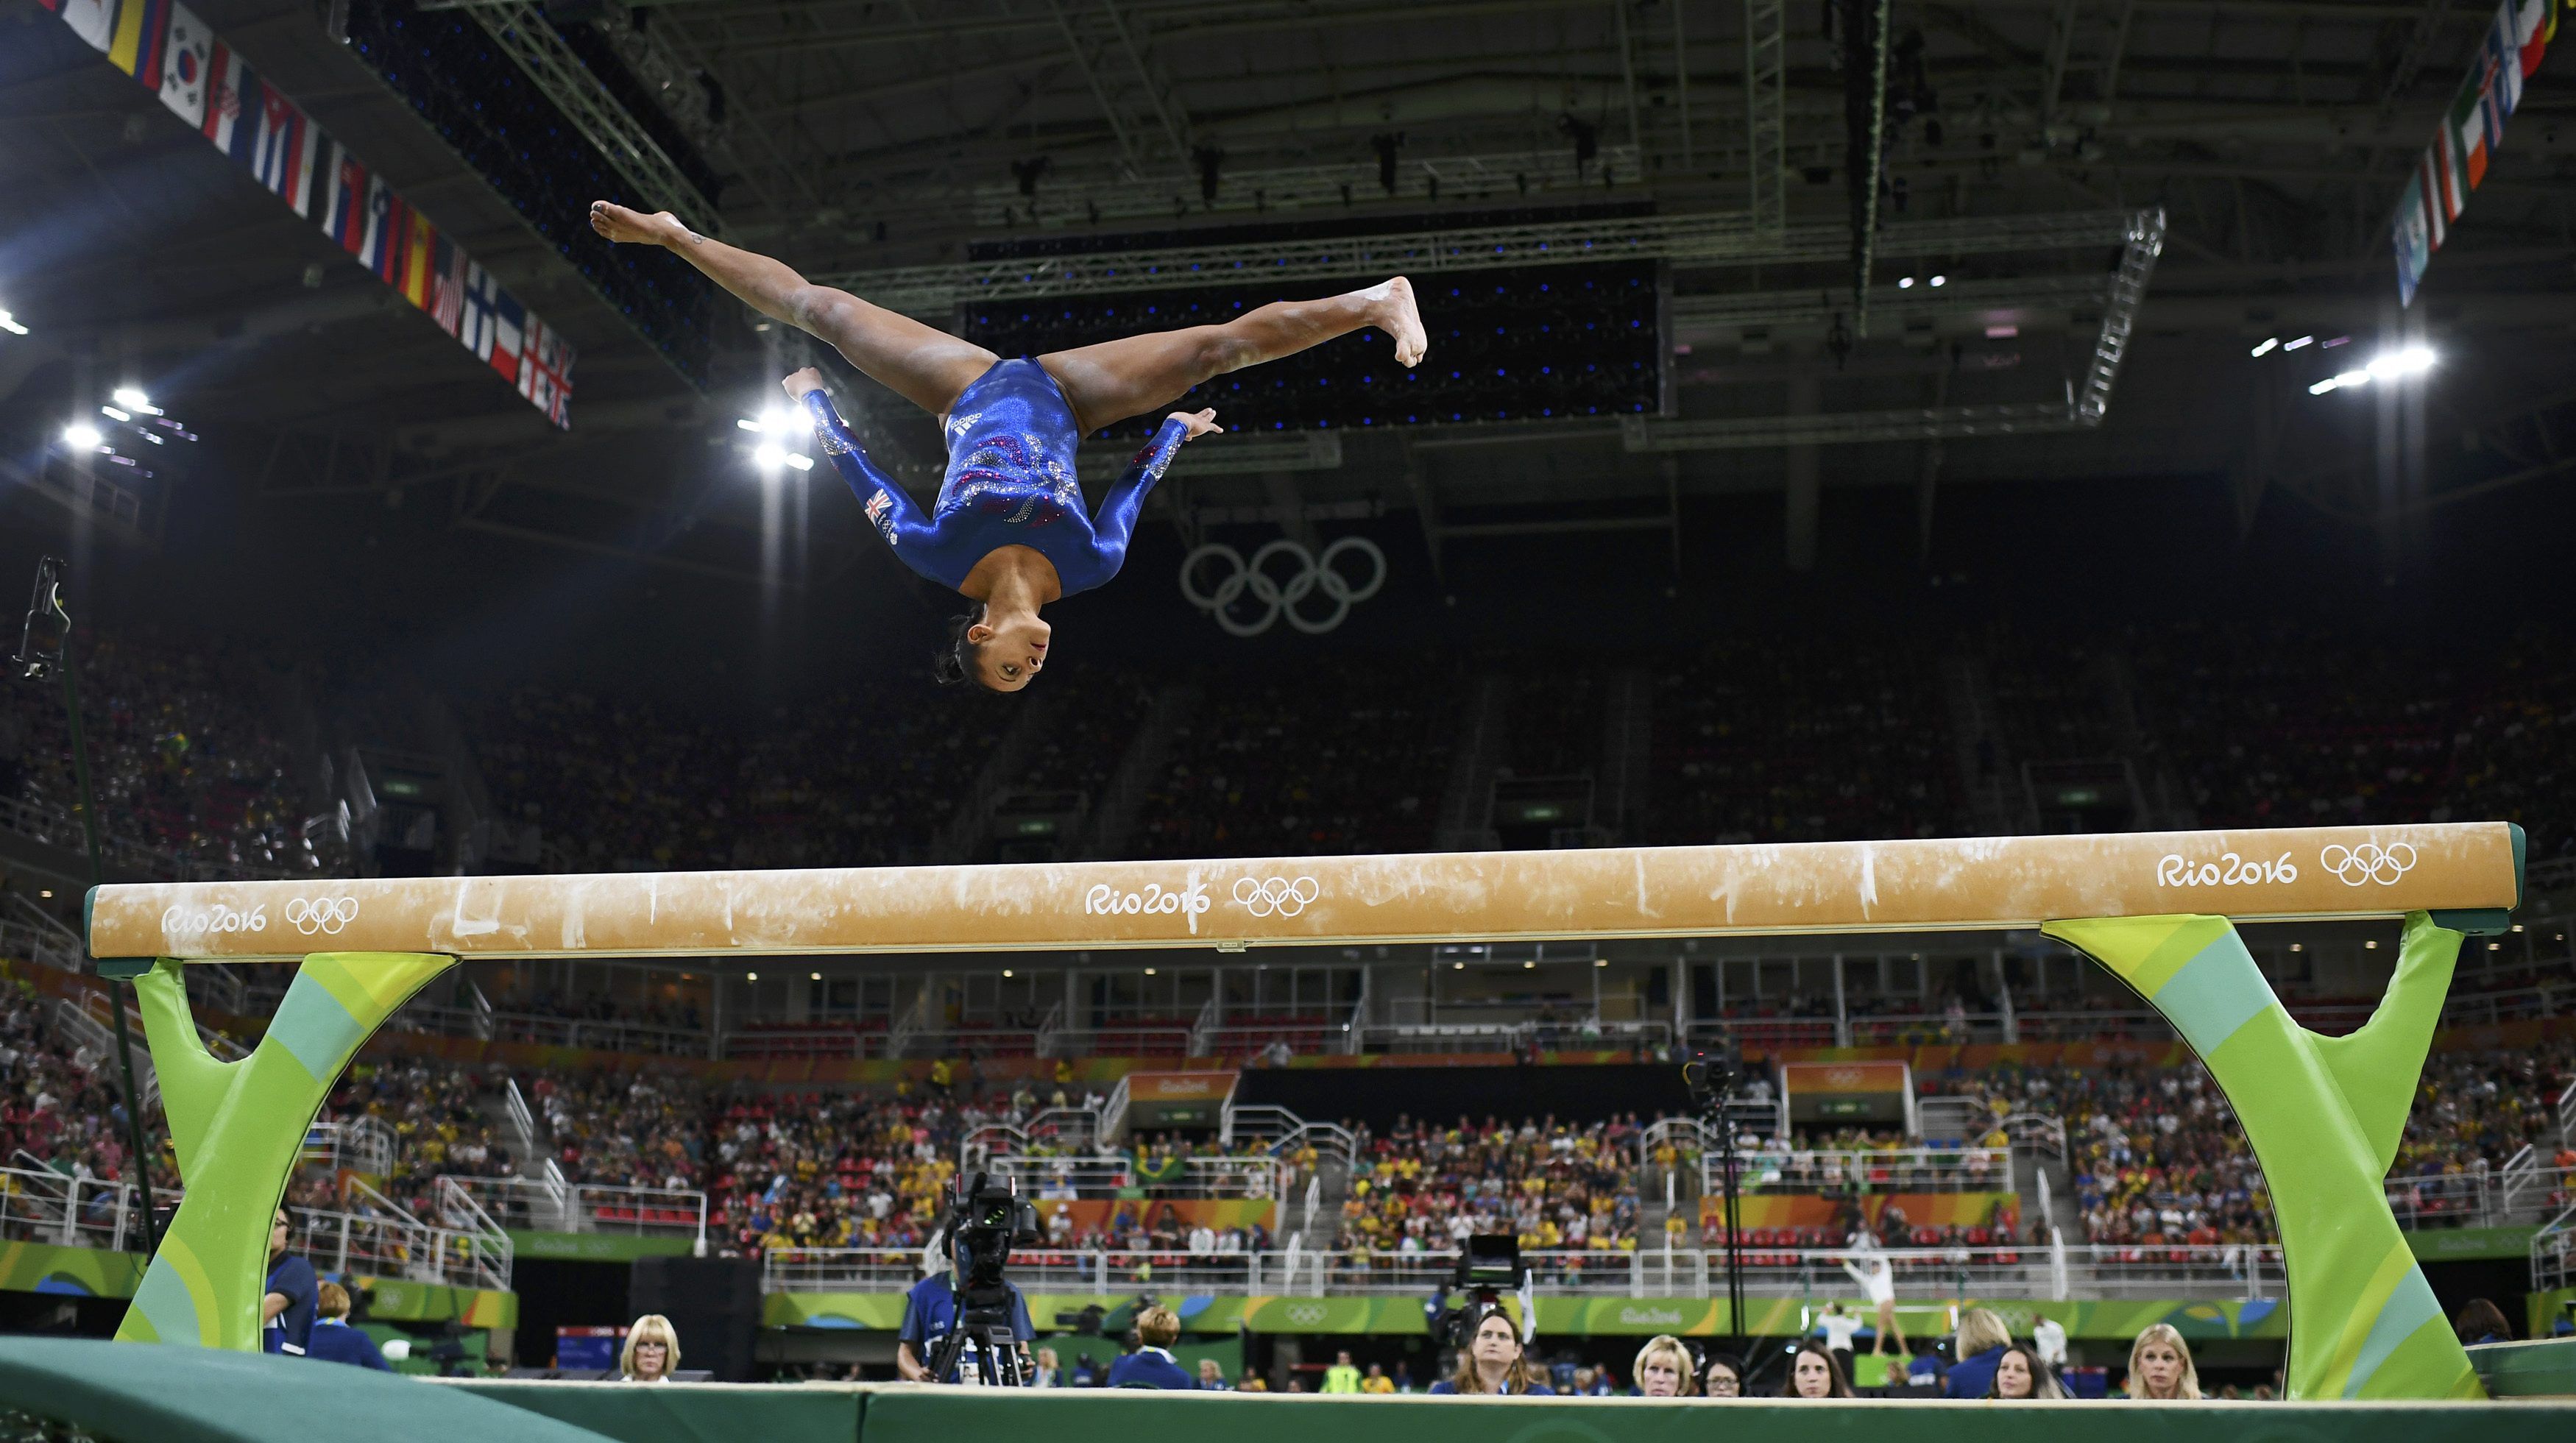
(1559,1317)
(1921,1209)
(1104,1214)
(169,51)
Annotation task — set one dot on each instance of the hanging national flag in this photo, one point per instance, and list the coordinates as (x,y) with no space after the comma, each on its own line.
(420,245)
(168,49)
(2413,240)
(230,86)
(282,152)
(343,187)
(136,50)
(545,371)
(91,20)
(447,286)
(478,321)
(380,247)
(183,65)
(2465,129)
(2428,182)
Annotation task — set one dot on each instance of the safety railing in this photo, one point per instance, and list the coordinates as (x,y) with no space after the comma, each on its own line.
(2520,1192)
(1046,1132)
(1059,1176)
(359,1144)
(551,1204)
(1911,1169)
(2567,1115)
(373,1235)
(2035,1271)
(29,931)
(1506,1036)
(61,827)
(596,1034)
(2553,1252)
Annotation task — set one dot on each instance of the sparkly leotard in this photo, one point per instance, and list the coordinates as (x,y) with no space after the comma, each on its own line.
(1010,482)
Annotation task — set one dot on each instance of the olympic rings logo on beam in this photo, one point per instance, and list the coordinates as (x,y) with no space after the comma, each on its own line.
(1275,596)
(1263,896)
(326,915)
(2369,862)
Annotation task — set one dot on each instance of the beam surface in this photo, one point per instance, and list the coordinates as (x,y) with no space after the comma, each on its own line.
(1959,883)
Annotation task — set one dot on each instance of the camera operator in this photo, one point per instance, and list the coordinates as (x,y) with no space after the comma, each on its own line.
(930,1310)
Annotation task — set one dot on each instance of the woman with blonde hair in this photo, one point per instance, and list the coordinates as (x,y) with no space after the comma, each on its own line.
(1665,1369)
(652,1351)
(1978,1346)
(2160,1366)
(1495,1362)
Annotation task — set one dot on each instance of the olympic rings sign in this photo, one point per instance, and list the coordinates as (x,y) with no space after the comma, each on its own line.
(326,915)
(1263,896)
(2369,862)
(1277,595)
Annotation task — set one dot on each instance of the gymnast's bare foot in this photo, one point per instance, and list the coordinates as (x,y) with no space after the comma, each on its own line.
(1392,311)
(634,227)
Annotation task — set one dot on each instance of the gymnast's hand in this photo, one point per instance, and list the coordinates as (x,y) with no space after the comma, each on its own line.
(803,383)
(1199,422)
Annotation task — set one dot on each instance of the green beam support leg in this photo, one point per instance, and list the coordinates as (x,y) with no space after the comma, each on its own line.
(2324,1115)
(239,1128)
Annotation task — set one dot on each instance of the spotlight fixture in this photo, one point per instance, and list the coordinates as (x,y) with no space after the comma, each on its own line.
(2340,380)
(10,324)
(2407,361)
(131,398)
(2270,344)
(114,414)
(1940,280)
(1905,283)
(751,977)
(83,436)
(771,456)
(2301,341)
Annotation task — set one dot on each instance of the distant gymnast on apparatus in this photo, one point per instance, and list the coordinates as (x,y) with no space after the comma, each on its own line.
(1009,530)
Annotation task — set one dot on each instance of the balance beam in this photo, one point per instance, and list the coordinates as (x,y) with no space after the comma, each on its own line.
(1903,886)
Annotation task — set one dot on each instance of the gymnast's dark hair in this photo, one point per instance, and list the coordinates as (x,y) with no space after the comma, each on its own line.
(954,663)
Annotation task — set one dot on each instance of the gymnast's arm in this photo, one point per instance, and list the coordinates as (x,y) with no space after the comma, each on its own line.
(1116,520)
(889,509)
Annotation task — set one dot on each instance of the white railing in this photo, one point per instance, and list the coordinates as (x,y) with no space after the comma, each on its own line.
(29,931)
(1055,1035)
(1068,1177)
(2520,1192)
(479,1011)
(1499,1036)
(60,827)
(914,1021)
(1907,1169)
(2039,1130)
(596,1034)
(378,1237)
(1950,1115)
(1048,1131)
(1355,1030)
(1203,1028)
(2553,1252)
(2038,1271)
(521,1118)
(360,1144)
(375,1236)
(2567,1114)
(548,1202)
(1113,1112)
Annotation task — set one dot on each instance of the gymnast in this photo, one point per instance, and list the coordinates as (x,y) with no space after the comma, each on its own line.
(1009,531)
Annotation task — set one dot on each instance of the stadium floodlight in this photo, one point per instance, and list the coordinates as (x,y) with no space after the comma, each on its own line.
(1940,280)
(83,436)
(2410,361)
(114,414)
(2339,381)
(771,456)
(2301,341)
(132,398)
(10,324)
(1905,283)
(2270,344)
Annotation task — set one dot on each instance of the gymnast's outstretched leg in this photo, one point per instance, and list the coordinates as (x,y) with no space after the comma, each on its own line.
(1139,375)
(924,365)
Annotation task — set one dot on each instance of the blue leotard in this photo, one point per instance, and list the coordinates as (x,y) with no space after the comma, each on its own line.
(1011,482)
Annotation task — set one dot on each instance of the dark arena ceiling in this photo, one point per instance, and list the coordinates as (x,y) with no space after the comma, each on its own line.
(2122,200)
